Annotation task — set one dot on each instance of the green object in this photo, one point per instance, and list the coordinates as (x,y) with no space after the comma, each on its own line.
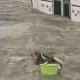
(49,69)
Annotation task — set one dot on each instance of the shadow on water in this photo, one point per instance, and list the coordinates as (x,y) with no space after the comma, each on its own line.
(56,77)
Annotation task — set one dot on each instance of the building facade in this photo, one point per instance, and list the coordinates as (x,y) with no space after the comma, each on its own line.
(67,8)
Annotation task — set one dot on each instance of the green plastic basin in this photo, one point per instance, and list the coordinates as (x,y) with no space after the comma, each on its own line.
(49,69)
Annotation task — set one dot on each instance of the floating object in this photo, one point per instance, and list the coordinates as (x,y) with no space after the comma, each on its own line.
(49,69)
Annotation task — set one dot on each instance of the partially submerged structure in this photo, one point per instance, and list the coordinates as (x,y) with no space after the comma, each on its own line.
(67,8)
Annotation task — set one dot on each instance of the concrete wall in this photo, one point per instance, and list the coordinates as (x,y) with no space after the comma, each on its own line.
(35,4)
(75,10)
(43,6)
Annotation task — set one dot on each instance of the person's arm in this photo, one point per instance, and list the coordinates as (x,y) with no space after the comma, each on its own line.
(45,58)
(58,61)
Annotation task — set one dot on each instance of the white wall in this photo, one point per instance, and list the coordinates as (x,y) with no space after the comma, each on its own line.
(75,10)
(46,8)
(75,13)
(75,2)
(35,4)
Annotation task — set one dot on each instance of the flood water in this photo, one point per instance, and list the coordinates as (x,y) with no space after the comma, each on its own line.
(51,78)
(24,30)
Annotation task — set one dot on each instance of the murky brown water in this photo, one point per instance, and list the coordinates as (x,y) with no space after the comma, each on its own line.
(25,30)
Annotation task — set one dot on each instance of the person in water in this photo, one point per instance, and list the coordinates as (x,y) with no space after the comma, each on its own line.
(39,58)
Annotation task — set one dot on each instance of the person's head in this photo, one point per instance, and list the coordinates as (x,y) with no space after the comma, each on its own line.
(35,56)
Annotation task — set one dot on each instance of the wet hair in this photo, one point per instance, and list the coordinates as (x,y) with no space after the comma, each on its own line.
(48,59)
(35,53)
(38,55)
